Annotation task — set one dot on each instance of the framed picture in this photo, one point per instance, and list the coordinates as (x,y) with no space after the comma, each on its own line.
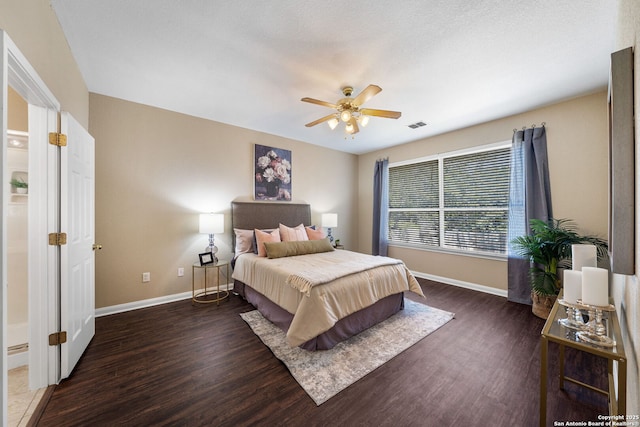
(272,173)
(206,258)
(622,168)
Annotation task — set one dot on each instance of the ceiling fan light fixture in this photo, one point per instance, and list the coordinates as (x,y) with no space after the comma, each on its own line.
(349,111)
(349,128)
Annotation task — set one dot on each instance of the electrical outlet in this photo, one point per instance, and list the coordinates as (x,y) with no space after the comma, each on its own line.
(180,272)
(146,277)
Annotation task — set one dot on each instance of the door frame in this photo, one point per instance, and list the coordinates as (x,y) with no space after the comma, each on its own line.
(16,71)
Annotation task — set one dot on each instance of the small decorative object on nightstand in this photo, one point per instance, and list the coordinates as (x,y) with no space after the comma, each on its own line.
(206,258)
(329,221)
(206,296)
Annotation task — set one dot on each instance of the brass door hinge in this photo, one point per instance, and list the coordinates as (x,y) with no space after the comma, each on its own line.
(58,338)
(57,239)
(58,139)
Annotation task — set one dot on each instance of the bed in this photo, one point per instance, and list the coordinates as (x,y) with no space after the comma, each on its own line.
(294,288)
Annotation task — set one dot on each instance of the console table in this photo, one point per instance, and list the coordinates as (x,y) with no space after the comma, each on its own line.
(566,337)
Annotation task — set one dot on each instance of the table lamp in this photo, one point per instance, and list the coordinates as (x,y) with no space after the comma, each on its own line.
(211,223)
(329,221)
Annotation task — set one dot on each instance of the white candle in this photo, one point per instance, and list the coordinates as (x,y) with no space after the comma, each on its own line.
(572,284)
(583,256)
(595,286)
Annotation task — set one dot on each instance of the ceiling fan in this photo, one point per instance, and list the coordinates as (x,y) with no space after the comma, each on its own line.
(348,110)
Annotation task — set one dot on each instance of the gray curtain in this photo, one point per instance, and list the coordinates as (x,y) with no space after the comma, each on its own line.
(529,198)
(380,240)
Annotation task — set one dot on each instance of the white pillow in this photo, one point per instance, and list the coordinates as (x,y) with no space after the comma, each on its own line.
(292,234)
(244,241)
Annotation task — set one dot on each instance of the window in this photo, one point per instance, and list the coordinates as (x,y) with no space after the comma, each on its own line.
(456,201)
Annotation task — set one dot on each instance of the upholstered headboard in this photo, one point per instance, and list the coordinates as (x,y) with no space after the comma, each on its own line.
(265,215)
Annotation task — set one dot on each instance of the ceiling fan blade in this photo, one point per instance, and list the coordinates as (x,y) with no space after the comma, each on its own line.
(381,113)
(353,122)
(324,119)
(317,101)
(368,93)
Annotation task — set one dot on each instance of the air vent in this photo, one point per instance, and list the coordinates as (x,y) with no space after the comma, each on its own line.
(417,125)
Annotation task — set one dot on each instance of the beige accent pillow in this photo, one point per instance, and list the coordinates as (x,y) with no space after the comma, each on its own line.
(290,234)
(299,247)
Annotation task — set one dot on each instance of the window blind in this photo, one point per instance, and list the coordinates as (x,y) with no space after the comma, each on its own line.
(457,202)
(477,180)
(414,186)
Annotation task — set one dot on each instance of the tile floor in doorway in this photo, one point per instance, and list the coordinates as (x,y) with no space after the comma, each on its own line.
(22,401)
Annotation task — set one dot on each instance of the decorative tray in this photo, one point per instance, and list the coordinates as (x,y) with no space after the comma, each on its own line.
(578,305)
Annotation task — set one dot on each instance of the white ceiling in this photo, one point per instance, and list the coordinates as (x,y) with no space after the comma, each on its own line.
(449,63)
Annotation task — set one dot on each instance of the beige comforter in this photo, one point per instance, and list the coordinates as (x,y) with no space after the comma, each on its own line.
(345,283)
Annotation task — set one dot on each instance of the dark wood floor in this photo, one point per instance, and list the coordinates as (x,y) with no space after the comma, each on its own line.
(181,365)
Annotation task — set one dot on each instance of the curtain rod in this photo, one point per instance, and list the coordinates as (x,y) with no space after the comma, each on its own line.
(532,126)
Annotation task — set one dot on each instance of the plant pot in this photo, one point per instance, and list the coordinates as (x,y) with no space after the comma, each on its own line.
(21,190)
(542,304)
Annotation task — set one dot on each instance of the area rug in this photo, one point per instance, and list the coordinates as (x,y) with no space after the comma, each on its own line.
(323,374)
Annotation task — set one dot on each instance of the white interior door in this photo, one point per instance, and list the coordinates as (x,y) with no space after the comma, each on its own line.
(44,259)
(77,219)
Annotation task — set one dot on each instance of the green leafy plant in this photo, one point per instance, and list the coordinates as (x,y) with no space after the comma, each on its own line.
(549,248)
(19,183)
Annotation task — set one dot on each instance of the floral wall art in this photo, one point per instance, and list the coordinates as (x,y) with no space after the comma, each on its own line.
(272,175)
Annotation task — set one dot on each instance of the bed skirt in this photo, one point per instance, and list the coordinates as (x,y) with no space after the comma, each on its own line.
(342,330)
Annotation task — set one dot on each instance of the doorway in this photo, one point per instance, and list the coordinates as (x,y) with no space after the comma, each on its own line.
(22,399)
(30,91)
(61,183)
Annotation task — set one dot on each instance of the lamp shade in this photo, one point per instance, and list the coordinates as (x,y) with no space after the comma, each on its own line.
(330,220)
(211,223)
(349,128)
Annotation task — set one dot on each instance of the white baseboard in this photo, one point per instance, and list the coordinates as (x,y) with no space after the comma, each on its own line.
(462,284)
(135,305)
(120,308)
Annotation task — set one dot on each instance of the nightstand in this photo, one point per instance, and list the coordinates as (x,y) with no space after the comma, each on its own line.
(208,296)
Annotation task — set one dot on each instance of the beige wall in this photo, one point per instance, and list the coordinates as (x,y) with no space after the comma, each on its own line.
(150,165)
(626,288)
(34,28)
(577,147)
(157,170)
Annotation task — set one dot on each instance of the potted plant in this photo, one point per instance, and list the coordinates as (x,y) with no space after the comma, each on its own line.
(549,249)
(20,186)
